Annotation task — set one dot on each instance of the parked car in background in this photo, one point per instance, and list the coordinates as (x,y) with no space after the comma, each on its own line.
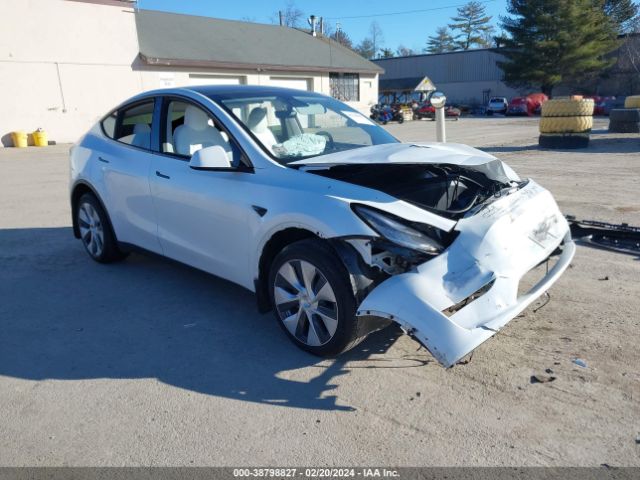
(519,106)
(428,111)
(603,105)
(336,226)
(528,105)
(497,105)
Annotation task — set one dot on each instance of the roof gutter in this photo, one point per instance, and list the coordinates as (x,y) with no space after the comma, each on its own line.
(174,62)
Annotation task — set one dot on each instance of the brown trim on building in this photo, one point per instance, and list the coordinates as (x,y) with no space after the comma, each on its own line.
(112,3)
(172,62)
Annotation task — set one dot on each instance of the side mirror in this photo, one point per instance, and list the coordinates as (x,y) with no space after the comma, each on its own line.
(210,158)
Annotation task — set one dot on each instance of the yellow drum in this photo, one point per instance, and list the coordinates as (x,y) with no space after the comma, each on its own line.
(40,138)
(19,139)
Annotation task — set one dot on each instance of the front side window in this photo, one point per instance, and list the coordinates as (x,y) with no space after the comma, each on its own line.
(345,86)
(131,125)
(295,126)
(189,128)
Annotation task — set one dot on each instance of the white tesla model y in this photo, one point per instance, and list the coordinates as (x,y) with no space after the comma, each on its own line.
(336,226)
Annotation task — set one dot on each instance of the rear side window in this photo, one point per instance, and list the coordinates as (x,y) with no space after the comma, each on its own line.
(109,125)
(131,125)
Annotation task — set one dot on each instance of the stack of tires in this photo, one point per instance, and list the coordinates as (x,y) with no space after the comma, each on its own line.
(627,119)
(566,123)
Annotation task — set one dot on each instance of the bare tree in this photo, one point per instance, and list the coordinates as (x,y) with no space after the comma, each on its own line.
(328,28)
(629,55)
(403,51)
(291,15)
(376,36)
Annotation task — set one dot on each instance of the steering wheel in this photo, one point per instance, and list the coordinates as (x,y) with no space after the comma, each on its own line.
(330,143)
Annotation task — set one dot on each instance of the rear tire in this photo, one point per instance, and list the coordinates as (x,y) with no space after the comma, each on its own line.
(625,115)
(564,142)
(96,232)
(313,299)
(624,127)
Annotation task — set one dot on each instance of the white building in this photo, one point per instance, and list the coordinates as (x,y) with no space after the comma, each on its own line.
(64,63)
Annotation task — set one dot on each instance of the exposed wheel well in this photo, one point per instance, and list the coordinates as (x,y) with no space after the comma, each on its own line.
(274,246)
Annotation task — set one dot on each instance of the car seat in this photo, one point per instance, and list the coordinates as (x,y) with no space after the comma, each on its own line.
(258,125)
(196,133)
(141,136)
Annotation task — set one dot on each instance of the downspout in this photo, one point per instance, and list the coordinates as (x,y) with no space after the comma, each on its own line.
(64,104)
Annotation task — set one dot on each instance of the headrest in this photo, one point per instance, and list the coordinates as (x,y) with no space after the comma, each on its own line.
(141,128)
(258,120)
(195,119)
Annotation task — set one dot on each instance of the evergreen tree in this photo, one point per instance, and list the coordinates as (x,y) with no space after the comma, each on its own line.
(623,13)
(551,41)
(441,42)
(366,48)
(386,53)
(342,38)
(473,26)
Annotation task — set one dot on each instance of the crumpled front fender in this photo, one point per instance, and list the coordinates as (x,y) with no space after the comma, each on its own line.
(484,267)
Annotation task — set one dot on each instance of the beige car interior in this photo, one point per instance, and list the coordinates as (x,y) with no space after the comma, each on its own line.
(197,132)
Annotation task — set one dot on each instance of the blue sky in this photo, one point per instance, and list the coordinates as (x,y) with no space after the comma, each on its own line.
(410,30)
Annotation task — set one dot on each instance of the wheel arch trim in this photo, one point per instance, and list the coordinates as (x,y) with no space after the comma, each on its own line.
(80,187)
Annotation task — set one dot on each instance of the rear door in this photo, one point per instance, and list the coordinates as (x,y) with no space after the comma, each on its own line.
(124,165)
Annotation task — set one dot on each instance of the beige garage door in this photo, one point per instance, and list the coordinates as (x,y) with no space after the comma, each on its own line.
(289,82)
(215,80)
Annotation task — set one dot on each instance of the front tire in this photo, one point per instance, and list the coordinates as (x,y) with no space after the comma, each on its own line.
(95,230)
(313,299)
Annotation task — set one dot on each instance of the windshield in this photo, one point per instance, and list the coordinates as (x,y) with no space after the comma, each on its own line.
(293,127)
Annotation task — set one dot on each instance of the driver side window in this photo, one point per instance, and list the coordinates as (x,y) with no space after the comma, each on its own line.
(189,128)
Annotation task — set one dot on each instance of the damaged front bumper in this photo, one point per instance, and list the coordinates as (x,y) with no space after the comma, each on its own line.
(456,301)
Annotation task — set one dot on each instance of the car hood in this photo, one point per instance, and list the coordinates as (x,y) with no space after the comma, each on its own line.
(415,154)
(424,152)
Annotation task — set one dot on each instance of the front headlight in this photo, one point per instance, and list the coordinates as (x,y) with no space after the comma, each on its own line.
(397,232)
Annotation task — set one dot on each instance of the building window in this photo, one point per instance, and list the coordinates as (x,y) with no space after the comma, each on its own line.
(345,86)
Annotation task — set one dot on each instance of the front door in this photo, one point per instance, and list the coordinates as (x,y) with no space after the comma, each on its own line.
(203,216)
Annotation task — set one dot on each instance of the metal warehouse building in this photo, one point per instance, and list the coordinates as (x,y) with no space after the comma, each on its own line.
(466,77)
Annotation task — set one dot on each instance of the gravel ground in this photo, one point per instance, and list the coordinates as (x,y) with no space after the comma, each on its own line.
(148,362)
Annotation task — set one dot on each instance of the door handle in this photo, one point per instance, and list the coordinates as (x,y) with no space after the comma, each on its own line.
(103,160)
(161,175)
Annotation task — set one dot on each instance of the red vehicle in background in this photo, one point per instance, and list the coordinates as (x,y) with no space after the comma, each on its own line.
(426,110)
(602,105)
(529,105)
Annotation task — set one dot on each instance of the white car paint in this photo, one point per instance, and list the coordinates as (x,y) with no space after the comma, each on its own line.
(207,219)
(500,245)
